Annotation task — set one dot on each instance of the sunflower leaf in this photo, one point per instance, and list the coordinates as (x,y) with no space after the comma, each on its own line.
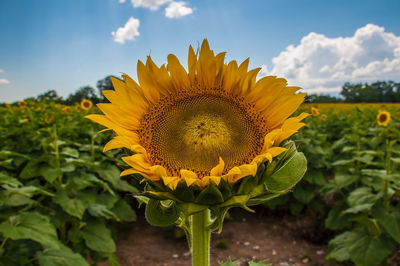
(288,175)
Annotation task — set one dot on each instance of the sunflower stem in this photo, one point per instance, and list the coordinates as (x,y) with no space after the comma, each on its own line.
(57,154)
(200,238)
(3,243)
(388,172)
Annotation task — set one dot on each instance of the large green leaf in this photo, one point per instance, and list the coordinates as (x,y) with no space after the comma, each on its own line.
(50,174)
(336,220)
(389,221)
(30,225)
(8,180)
(124,211)
(304,194)
(98,237)
(112,175)
(338,249)
(60,257)
(343,179)
(367,250)
(71,152)
(99,210)
(73,206)
(288,175)
(161,213)
(362,195)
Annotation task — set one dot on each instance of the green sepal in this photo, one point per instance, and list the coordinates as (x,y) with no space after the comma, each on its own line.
(262,198)
(225,189)
(236,201)
(247,185)
(160,195)
(184,193)
(210,196)
(257,191)
(161,213)
(237,184)
(260,172)
(288,175)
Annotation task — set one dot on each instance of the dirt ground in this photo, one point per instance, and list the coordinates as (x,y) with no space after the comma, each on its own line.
(276,238)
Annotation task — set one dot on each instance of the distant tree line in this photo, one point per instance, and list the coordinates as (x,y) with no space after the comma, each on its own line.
(86,92)
(380,91)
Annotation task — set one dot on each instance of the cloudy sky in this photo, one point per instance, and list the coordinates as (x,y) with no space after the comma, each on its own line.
(318,45)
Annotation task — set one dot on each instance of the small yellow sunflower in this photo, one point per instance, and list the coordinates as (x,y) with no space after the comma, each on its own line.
(323,116)
(21,104)
(383,118)
(86,104)
(8,106)
(214,122)
(65,110)
(314,111)
(48,118)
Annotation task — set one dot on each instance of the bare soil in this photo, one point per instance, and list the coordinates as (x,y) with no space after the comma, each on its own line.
(277,238)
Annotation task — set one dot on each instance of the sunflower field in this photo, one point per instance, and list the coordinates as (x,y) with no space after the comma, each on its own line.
(61,197)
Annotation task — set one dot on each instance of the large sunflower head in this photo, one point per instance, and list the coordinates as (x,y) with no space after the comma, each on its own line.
(211,125)
(383,118)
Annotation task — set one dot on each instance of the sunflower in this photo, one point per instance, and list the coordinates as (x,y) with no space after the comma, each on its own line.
(323,116)
(48,118)
(86,104)
(383,118)
(21,104)
(215,122)
(65,110)
(314,111)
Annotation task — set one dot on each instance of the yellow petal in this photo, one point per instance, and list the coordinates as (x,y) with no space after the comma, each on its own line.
(158,171)
(232,174)
(137,161)
(217,170)
(275,151)
(178,73)
(215,179)
(117,142)
(189,176)
(146,83)
(171,181)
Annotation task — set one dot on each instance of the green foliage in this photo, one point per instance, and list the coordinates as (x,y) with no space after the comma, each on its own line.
(60,196)
(354,175)
(377,92)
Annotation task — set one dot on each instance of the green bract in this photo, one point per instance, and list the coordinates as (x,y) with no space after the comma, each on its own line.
(167,207)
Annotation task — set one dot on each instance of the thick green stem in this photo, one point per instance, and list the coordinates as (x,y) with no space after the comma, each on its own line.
(200,237)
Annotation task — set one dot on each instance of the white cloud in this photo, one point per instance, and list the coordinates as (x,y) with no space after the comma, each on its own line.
(122,1)
(151,4)
(4,81)
(127,32)
(177,10)
(1,71)
(323,64)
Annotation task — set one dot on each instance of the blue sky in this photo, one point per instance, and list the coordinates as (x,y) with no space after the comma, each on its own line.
(318,45)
